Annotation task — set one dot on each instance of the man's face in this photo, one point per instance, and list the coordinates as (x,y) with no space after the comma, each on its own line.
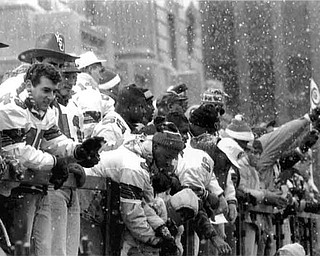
(253,156)
(149,111)
(95,72)
(176,107)
(184,132)
(164,157)
(44,93)
(68,81)
(137,113)
(184,105)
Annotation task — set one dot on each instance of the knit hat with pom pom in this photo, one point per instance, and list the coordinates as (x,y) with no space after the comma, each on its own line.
(239,129)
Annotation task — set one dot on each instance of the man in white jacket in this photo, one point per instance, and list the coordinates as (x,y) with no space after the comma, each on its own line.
(87,94)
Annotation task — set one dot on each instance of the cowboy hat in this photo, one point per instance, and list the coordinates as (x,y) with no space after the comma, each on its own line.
(88,58)
(47,45)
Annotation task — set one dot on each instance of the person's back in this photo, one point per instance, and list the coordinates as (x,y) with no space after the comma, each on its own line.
(195,168)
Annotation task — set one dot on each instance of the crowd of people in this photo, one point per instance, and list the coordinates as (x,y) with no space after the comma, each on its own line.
(64,118)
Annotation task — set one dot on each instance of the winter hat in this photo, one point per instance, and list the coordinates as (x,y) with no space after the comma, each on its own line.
(109,80)
(47,45)
(130,95)
(238,129)
(205,116)
(169,137)
(292,250)
(2,45)
(232,150)
(185,198)
(214,96)
(87,59)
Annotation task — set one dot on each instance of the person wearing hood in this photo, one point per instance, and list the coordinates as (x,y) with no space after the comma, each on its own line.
(183,206)
(137,166)
(87,94)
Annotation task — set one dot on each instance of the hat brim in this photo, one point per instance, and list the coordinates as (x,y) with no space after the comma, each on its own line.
(28,55)
(233,161)
(2,45)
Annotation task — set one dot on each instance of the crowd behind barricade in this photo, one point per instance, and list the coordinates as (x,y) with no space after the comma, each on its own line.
(178,182)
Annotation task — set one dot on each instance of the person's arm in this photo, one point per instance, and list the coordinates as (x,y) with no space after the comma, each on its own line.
(22,141)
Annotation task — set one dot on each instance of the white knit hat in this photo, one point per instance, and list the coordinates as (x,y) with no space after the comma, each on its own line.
(88,58)
(292,250)
(239,129)
(232,150)
(185,198)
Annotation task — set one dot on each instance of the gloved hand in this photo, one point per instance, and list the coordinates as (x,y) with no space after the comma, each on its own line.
(172,227)
(168,247)
(167,244)
(220,244)
(87,153)
(245,197)
(309,140)
(163,232)
(275,199)
(79,173)
(60,172)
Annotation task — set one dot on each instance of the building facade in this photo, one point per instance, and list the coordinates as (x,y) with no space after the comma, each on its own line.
(154,44)
(265,53)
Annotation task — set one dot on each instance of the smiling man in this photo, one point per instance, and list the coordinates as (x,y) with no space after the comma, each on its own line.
(29,133)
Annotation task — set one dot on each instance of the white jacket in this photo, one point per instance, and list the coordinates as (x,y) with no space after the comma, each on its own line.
(27,137)
(113,129)
(88,97)
(195,168)
(70,120)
